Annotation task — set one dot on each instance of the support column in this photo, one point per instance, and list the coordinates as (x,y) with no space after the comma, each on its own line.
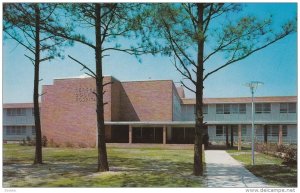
(227,140)
(130,134)
(231,136)
(280,135)
(165,134)
(265,133)
(239,137)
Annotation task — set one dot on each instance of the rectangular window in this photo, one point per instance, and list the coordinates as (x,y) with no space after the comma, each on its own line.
(258,108)
(235,130)
(288,107)
(231,108)
(9,112)
(292,107)
(24,130)
(244,131)
(205,109)
(274,130)
(242,108)
(234,109)
(283,108)
(266,108)
(7,130)
(284,131)
(226,108)
(13,130)
(258,131)
(220,109)
(219,130)
(16,130)
(262,108)
(33,130)
(16,112)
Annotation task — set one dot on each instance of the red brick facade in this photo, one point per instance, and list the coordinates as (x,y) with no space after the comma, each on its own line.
(68,111)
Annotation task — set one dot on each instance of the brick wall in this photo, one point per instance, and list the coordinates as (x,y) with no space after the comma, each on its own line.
(146,101)
(69,111)
(69,107)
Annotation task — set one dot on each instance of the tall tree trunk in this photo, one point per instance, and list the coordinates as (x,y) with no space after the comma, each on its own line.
(38,145)
(198,167)
(102,154)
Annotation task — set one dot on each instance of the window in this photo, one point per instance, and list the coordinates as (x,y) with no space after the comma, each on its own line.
(284,131)
(258,108)
(234,108)
(16,112)
(242,108)
(274,131)
(219,130)
(292,107)
(32,110)
(283,108)
(266,107)
(244,131)
(231,108)
(205,109)
(258,131)
(220,109)
(16,130)
(262,108)
(235,130)
(226,108)
(33,130)
(287,107)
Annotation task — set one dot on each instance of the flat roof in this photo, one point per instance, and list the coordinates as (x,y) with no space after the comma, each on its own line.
(268,99)
(192,123)
(18,105)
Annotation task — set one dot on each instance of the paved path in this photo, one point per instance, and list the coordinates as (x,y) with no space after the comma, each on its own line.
(224,171)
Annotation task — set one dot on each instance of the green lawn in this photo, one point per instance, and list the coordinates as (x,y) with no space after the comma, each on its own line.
(70,167)
(268,167)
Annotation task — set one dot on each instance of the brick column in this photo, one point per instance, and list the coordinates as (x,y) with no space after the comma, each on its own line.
(280,135)
(165,134)
(130,134)
(239,137)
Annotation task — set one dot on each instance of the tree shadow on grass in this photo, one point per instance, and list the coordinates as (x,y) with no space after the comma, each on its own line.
(276,174)
(125,172)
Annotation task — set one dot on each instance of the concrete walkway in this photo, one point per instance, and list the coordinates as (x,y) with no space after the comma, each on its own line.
(223,171)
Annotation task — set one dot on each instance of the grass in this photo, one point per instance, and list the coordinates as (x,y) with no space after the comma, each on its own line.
(70,167)
(268,167)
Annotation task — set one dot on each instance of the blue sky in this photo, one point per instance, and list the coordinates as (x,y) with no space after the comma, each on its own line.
(276,66)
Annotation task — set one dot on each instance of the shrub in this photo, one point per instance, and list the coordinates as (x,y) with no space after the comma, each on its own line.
(23,142)
(52,143)
(32,142)
(69,144)
(28,139)
(82,145)
(289,154)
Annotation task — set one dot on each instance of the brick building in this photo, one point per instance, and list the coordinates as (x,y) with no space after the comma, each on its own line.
(152,111)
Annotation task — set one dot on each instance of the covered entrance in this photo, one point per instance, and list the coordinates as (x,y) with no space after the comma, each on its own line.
(147,135)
